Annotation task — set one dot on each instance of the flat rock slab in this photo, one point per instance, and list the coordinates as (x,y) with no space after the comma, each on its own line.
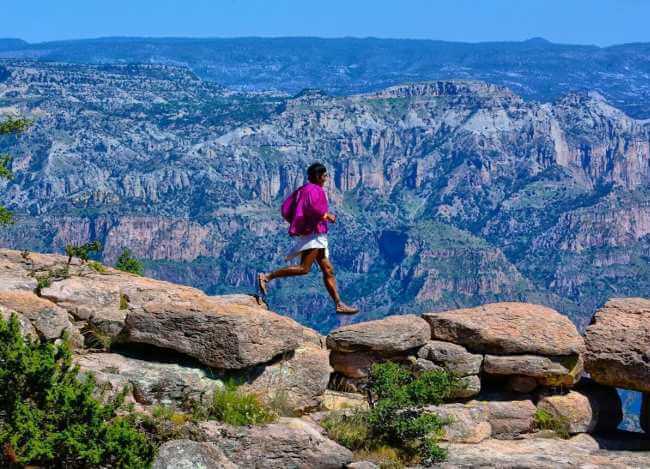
(150,382)
(541,453)
(618,344)
(393,335)
(549,371)
(508,328)
(289,443)
(452,357)
(188,454)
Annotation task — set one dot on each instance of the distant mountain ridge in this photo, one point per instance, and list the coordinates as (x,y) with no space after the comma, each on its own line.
(534,69)
(449,193)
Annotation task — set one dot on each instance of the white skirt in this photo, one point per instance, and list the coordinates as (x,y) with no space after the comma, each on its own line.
(312,241)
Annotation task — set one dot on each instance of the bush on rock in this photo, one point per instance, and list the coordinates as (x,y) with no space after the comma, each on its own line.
(49,417)
(396,417)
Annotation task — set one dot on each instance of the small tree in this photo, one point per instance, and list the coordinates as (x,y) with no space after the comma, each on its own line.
(9,126)
(82,251)
(50,417)
(127,263)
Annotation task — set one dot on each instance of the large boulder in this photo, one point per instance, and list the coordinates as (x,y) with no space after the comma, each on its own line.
(508,328)
(618,344)
(94,298)
(49,320)
(229,332)
(592,408)
(548,371)
(390,336)
(300,378)
(150,382)
(188,454)
(288,443)
(452,357)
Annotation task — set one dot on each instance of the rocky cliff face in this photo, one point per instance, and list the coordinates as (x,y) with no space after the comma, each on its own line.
(449,193)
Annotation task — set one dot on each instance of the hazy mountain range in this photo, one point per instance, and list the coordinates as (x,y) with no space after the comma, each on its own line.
(449,193)
(535,69)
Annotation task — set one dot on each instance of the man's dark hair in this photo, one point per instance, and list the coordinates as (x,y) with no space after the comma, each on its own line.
(315,171)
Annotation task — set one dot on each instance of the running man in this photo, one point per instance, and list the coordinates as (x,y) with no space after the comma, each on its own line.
(307,212)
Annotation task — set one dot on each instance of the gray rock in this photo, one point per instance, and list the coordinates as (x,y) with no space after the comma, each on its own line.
(300,378)
(468,423)
(422,364)
(393,335)
(508,328)
(48,319)
(468,386)
(550,371)
(454,358)
(618,349)
(188,454)
(151,382)
(362,465)
(511,417)
(289,443)
(522,384)
(581,451)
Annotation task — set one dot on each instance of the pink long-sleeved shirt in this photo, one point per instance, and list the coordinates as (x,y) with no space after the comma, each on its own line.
(309,204)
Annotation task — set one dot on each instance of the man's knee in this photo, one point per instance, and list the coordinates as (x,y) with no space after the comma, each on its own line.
(303,270)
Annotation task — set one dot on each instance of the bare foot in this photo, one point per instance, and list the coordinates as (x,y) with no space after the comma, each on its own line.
(261,283)
(342,308)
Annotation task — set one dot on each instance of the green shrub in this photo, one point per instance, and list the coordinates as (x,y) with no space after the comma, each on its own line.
(233,406)
(50,417)
(82,251)
(396,418)
(544,420)
(97,267)
(127,263)
(350,430)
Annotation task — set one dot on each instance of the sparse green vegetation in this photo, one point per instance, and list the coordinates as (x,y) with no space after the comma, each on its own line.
(233,406)
(544,420)
(50,417)
(397,418)
(45,279)
(82,251)
(97,267)
(124,301)
(127,263)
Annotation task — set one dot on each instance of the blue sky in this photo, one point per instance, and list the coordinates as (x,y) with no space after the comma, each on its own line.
(601,22)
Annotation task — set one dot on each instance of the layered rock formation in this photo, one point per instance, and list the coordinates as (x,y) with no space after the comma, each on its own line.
(517,363)
(450,194)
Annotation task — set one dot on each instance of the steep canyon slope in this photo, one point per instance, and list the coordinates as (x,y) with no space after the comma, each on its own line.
(449,193)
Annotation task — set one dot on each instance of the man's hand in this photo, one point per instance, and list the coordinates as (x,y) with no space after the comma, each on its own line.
(329,217)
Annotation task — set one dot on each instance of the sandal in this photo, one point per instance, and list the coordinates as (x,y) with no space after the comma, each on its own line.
(342,308)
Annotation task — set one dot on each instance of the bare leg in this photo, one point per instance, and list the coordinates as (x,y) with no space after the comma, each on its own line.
(330,283)
(306,260)
(328,276)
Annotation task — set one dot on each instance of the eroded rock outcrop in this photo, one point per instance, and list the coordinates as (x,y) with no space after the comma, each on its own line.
(618,344)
